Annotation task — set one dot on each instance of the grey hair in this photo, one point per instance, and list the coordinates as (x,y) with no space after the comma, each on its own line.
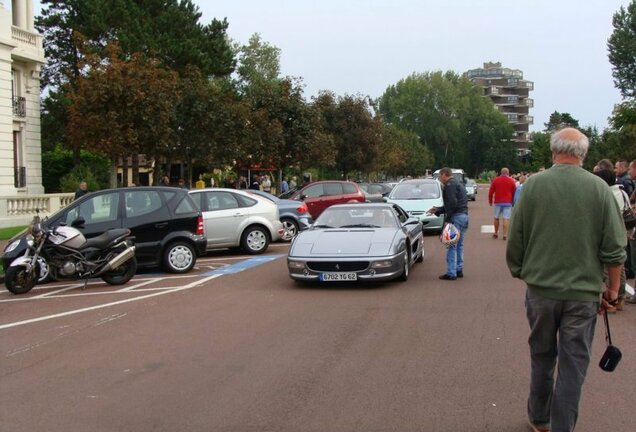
(568,143)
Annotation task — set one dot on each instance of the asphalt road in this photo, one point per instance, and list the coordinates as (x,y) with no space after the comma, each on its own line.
(243,351)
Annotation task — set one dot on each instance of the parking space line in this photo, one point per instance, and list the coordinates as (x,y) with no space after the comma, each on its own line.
(244,265)
(50,293)
(130,288)
(115,303)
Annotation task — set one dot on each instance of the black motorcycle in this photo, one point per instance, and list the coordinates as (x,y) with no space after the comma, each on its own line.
(69,256)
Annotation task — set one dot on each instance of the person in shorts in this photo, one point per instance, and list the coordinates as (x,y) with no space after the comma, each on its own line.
(502,193)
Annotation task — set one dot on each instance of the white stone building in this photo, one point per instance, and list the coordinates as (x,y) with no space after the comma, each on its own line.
(21,59)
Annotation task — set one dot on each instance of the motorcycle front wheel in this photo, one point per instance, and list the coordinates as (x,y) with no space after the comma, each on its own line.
(19,281)
(121,274)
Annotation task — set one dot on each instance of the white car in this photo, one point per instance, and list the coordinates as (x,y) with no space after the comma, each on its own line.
(416,197)
(235,218)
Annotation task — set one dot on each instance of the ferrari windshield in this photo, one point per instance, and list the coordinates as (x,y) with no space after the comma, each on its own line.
(338,217)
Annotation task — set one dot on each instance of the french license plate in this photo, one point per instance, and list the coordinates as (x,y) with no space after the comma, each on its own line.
(326,277)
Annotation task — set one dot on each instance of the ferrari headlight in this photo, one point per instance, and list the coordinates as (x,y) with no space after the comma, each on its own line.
(382,264)
(296,264)
(13,245)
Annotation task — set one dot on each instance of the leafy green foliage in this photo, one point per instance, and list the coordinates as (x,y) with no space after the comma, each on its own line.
(541,155)
(55,163)
(622,50)
(559,121)
(59,162)
(401,154)
(450,116)
(356,131)
(82,173)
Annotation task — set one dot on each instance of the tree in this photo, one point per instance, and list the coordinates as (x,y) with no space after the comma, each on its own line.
(449,115)
(622,50)
(168,31)
(401,154)
(124,108)
(559,121)
(258,64)
(540,155)
(356,131)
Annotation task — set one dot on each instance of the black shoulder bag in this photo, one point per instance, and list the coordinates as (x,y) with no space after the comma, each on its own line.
(628,214)
(612,355)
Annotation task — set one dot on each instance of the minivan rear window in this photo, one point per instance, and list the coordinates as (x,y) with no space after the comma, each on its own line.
(186,206)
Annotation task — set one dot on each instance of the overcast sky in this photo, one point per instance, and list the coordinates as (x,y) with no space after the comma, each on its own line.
(363,46)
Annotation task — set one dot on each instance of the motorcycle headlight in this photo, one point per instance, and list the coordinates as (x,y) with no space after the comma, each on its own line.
(12,246)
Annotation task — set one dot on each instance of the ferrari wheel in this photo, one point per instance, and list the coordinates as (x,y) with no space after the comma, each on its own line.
(405,272)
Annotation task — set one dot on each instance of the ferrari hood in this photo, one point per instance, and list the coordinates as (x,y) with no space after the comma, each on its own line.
(343,242)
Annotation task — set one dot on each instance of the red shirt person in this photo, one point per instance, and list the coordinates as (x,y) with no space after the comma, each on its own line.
(502,193)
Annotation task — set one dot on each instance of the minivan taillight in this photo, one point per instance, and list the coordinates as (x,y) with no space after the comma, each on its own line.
(200,226)
(302,209)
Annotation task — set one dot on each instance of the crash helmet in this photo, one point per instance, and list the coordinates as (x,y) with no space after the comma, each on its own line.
(450,235)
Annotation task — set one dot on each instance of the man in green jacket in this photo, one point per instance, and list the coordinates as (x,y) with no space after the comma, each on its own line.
(564,228)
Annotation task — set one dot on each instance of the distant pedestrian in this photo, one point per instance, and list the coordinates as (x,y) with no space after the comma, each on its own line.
(255,185)
(502,192)
(522,180)
(622,177)
(621,200)
(266,184)
(284,186)
(83,190)
(181,184)
(165,181)
(559,254)
(242,183)
(292,183)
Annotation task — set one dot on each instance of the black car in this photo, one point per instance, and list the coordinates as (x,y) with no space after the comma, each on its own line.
(166,225)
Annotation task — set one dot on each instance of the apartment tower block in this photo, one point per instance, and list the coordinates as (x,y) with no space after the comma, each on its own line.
(510,94)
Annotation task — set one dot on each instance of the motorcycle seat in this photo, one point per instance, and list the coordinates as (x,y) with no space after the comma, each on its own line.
(104,239)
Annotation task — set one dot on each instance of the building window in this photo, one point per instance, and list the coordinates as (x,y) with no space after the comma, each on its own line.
(18,102)
(19,170)
(513,81)
(513,99)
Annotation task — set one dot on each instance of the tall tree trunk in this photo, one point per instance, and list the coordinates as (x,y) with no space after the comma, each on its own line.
(124,171)
(113,172)
(135,169)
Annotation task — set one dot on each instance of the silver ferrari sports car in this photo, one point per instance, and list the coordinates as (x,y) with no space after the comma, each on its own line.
(354,242)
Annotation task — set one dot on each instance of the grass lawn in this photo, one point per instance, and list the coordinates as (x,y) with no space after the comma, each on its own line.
(7,233)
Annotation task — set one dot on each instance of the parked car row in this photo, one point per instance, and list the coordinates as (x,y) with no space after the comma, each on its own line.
(171,227)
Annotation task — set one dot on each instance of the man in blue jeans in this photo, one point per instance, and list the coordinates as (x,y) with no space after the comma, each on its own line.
(456,210)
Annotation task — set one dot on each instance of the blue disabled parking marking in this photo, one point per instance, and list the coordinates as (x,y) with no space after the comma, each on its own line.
(243,265)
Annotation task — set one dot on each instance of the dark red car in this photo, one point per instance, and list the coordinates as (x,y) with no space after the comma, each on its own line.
(322,194)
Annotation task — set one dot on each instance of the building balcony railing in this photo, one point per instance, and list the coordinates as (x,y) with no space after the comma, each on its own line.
(526,102)
(25,37)
(19,106)
(19,210)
